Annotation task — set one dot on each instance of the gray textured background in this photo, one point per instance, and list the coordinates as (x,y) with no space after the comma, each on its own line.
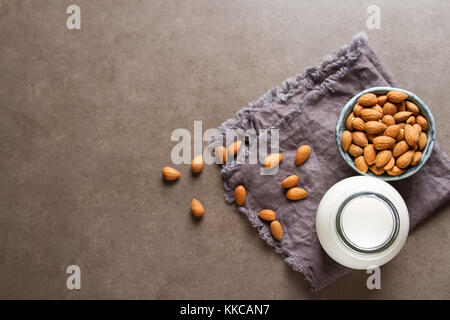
(85,124)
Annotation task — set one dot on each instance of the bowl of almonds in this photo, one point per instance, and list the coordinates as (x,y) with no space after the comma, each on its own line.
(386,132)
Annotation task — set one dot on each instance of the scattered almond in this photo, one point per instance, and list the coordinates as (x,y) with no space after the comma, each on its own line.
(276,230)
(272,160)
(170,174)
(221,155)
(233,148)
(197,164)
(290,181)
(296,193)
(267,215)
(197,208)
(302,154)
(239,195)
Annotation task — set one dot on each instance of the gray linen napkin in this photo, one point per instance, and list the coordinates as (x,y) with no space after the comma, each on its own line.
(305,109)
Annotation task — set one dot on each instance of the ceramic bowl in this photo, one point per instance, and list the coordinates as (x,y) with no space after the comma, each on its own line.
(425,112)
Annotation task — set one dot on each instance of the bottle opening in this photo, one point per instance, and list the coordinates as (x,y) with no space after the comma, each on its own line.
(367,222)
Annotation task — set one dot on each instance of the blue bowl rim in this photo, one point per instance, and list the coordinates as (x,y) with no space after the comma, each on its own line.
(425,111)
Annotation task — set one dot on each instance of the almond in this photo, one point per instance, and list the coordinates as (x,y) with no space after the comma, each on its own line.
(383,158)
(388,120)
(389,109)
(375,127)
(354,150)
(233,148)
(411,120)
(361,164)
(392,131)
(296,193)
(370,115)
(376,170)
(416,158)
(405,159)
(401,106)
(395,171)
(370,137)
(383,142)
(197,208)
(422,141)
(349,122)
(290,181)
(381,100)
(412,107)
(423,123)
(378,108)
(370,154)
(170,174)
(302,154)
(401,134)
(396,96)
(359,124)
(272,160)
(221,155)
(357,109)
(239,195)
(368,100)
(390,164)
(267,215)
(417,127)
(346,140)
(402,116)
(276,230)
(411,135)
(197,164)
(359,138)
(400,148)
